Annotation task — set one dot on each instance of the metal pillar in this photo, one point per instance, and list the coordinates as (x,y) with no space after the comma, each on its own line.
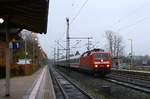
(131,54)
(88,48)
(67,44)
(54,56)
(58,51)
(131,61)
(7,93)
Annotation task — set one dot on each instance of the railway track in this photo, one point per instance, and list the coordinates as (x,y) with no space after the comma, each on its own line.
(107,87)
(135,80)
(130,85)
(66,89)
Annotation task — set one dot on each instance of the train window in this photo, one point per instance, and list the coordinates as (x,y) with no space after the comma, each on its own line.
(77,60)
(106,56)
(74,61)
(102,56)
(98,56)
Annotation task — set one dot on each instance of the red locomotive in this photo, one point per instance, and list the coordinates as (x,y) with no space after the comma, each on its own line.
(95,61)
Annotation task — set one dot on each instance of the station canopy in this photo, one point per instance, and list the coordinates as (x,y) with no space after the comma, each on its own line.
(23,14)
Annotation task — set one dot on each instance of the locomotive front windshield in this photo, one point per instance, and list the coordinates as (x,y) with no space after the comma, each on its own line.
(102,56)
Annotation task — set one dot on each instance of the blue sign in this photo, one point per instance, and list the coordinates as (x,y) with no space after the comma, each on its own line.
(16,45)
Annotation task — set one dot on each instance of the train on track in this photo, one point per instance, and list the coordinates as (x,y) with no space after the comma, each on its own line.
(93,61)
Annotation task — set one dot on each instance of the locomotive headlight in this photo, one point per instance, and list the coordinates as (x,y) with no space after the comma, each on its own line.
(96,66)
(107,65)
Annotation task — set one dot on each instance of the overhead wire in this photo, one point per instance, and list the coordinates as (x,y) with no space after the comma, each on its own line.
(130,25)
(74,46)
(78,13)
(129,14)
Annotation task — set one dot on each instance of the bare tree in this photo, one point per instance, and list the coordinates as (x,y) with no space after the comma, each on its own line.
(109,38)
(114,43)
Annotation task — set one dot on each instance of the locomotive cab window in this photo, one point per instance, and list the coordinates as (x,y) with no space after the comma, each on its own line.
(102,56)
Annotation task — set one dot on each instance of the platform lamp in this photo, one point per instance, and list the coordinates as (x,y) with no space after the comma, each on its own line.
(1,20)
(7,84)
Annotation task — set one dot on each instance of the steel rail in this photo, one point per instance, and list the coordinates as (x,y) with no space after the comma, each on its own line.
(58,83)
(85,93)
(129,84)
(75,88)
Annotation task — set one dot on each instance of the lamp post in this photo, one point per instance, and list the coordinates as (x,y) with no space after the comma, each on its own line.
(7,54)
(1,20)
(131,60)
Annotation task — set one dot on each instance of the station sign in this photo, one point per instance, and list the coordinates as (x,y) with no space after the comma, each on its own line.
(14,45)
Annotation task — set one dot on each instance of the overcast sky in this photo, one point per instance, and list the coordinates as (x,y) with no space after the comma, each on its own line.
(129,18)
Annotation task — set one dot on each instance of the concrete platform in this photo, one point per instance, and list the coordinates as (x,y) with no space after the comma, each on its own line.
(38,85)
